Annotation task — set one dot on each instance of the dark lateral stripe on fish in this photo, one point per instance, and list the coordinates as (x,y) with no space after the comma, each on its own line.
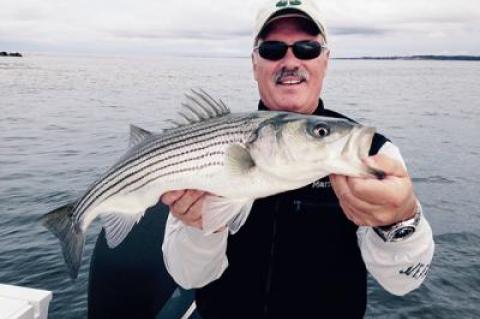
(139,167)
(94,195)
(180,132)
(161,149)
(159,176)
(179,171)
(166,174)
(165,143)
(123,187)
(218,129)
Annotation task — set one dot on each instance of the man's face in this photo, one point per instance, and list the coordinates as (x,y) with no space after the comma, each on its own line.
(290,92)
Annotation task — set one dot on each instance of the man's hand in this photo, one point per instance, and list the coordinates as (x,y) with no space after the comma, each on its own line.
(377,202)
(186,205)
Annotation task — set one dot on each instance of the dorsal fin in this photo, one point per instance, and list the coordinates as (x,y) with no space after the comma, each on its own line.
(200,106)
(137,135)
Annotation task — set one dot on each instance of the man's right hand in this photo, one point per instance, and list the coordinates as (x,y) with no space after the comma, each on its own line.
(186,205)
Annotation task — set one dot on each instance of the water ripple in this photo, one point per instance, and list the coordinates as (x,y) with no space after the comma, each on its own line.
(451,287)
(20,138)
(54,197)
(435,179)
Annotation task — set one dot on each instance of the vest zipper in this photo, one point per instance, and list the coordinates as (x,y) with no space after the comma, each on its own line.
(298,205)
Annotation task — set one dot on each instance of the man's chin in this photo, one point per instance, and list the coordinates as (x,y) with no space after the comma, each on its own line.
(291,104)
(295,89)
(291,91)
(294,101)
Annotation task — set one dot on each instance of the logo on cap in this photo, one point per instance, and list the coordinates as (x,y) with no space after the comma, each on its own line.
(284,3)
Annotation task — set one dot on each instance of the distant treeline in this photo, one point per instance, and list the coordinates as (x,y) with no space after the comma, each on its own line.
(3,53)
(419,57)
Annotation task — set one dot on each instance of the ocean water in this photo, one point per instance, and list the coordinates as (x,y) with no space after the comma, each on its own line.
(64,120)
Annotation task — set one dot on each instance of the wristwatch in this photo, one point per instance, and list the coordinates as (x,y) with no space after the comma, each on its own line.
(401,230)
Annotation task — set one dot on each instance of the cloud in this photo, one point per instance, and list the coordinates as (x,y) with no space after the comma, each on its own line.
(357,31)
(226,26)
(180,34)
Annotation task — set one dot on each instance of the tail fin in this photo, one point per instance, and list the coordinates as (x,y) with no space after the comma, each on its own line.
(60,223)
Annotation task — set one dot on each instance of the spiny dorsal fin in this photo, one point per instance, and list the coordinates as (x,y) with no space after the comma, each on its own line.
(200,106)
(137,135)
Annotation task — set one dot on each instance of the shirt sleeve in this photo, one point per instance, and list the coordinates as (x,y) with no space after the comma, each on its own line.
(192,258)
(402,266)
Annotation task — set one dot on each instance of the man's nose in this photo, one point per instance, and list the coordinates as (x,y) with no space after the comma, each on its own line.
(290,60)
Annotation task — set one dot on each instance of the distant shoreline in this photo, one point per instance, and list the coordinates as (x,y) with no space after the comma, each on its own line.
(419,57)
(385,58)
(11,54)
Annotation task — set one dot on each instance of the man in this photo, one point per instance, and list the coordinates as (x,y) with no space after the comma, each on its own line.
(304,252)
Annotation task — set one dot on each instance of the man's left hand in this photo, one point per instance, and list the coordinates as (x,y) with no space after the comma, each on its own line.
(377,202)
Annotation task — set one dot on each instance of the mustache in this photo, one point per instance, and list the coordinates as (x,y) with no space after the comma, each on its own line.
(284,72)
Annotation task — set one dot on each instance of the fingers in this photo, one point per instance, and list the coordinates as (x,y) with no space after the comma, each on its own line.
(355,190)
(370,190)
(390,191)
(171,197)
(355,208)
(186,205)
(340,187)
(193,217)
(339,184)
(349,212)
(371,202)
(393,189)
(384,163)
(182,205)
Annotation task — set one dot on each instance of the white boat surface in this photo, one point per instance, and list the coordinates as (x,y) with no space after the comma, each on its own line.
(23,303)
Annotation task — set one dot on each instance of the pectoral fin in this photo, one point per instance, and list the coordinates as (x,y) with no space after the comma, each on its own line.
(220,211)
(238,160)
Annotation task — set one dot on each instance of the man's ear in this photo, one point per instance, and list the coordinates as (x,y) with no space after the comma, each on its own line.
(327,54)
(254,65)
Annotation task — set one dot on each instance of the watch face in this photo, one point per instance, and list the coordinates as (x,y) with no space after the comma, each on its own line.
(403,232)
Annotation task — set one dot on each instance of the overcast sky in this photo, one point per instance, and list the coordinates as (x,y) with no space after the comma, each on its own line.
(224,27)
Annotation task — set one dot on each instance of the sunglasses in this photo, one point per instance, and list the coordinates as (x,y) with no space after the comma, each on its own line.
(303,50)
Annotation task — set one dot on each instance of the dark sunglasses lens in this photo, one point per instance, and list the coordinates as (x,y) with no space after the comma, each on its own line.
(307,50)
(272,50)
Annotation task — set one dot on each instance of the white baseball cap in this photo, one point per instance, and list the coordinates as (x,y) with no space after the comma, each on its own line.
(273,10)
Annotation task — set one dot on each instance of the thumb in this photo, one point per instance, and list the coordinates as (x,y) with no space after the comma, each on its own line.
(388,165)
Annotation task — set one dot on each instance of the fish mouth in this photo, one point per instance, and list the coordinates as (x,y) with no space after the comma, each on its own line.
(365,137)
(358,147)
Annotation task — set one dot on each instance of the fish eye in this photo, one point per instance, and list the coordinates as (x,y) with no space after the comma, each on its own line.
(320,130)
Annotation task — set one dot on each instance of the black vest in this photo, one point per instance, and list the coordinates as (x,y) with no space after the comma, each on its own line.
(296,257)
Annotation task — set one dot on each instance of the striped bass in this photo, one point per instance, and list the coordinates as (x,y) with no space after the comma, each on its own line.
(238,157)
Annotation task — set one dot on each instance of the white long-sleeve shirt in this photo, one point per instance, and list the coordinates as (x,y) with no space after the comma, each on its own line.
(194,259)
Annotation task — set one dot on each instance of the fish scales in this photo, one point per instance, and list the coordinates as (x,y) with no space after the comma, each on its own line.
(158,150)
(164,145)
(168,148)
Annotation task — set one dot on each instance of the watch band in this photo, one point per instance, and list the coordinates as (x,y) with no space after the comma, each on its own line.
(401,230)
